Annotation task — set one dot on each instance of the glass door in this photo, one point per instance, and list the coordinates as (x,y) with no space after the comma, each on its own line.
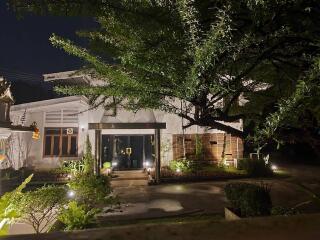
(127,151)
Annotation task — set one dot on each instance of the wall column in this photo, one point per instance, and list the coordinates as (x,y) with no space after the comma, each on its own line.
(97,152)
(158,155)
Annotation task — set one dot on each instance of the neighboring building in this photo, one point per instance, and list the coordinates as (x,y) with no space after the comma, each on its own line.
(6,127)
(128,140)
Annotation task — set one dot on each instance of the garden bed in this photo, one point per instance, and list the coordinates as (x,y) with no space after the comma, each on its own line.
(210,173)
(50,176)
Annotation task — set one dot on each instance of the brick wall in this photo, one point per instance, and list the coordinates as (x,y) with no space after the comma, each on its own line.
(212,146)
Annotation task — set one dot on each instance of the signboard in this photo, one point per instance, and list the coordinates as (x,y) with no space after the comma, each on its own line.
(69,131)
(128,151)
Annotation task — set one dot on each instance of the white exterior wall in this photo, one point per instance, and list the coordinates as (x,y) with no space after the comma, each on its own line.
(36,113)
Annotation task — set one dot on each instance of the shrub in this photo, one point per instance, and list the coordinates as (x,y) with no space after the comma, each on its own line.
(198,148)
(77,216)
(180,165)
(107,165)
(9,173)
(90,189)
(249,199)
(255,168)
(286,211)
(8,209)
(73,167)
(39,208)
(88,159)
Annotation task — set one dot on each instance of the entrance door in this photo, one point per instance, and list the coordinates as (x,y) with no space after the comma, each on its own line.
(127,151)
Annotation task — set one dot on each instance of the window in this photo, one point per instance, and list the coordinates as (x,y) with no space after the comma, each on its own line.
(61,142)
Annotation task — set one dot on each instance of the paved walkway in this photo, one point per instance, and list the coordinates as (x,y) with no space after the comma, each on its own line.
(141,201)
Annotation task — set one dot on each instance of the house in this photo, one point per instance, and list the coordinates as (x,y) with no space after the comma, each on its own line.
(128,140)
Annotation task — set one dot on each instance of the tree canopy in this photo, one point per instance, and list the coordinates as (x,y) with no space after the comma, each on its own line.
(188,56)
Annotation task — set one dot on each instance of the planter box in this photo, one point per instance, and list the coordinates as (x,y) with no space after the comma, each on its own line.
(230,215)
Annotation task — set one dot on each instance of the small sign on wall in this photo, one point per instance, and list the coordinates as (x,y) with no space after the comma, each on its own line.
(2,149)
(69,131)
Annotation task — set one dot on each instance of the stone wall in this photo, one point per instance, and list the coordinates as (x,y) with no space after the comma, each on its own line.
(212,146)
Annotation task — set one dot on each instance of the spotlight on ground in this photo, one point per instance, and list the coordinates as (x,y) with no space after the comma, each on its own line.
(274,167)
(71,194)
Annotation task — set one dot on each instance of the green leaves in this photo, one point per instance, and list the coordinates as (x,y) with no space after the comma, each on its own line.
(76,216)
(39,208)
(9,212)
(155,54)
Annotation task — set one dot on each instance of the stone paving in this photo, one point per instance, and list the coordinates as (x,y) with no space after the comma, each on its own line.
(142,201)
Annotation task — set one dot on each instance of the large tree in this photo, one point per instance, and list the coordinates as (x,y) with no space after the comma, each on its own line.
(187,56)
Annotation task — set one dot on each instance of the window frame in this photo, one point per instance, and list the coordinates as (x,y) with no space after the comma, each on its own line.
(60,135)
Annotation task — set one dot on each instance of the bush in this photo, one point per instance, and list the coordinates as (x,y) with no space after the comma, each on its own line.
(8,209)
(90,189)
(39,208)
(107,165)
(74,167)
(249,199)
(180,165)
(255,168)
(77,216)
(286,211)
(71,166)
(88,159)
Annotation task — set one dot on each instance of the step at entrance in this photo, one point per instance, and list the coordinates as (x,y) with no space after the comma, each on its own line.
(129,178)
(129,175)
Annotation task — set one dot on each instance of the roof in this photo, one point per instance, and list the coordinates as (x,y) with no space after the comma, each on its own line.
(46,103)
(74,77)
(67,77)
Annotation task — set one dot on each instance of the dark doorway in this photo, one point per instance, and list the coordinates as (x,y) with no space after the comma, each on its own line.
(128,151)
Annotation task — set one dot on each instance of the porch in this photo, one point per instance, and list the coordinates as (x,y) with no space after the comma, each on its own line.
(128,146)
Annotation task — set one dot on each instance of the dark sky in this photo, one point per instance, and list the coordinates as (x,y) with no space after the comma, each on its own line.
(25,51)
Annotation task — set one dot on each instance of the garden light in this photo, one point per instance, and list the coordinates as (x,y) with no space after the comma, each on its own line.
(114,164)
(148,170)
(178,170)
(147,164)
(274,167)
(71,193)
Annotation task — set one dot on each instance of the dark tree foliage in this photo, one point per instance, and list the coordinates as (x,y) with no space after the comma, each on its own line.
(187,57)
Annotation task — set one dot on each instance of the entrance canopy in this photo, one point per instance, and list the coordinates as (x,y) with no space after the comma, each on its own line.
(100,126)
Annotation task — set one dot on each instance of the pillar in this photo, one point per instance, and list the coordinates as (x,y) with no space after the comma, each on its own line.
(158,156)
(97,152)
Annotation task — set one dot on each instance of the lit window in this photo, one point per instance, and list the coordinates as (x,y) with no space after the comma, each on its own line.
(61,142)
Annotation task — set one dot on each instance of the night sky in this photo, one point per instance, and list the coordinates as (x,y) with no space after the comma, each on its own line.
(26,53)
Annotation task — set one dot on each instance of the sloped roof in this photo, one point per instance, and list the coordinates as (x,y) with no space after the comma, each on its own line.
(47,103)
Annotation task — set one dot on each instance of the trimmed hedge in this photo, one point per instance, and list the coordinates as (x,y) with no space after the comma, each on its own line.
(255,167)
(249,200)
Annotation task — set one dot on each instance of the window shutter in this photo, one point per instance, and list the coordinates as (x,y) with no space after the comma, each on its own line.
(70,116)
(53,117)
(63,116)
